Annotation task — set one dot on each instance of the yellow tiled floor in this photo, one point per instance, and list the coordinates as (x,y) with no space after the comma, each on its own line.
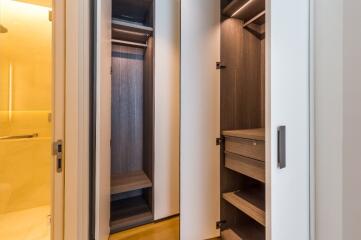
(165,230)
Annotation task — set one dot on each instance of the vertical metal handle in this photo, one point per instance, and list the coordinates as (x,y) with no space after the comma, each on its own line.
(58,152)
(281,146)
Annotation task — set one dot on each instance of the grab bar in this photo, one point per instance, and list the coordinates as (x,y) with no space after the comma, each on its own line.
(20,136)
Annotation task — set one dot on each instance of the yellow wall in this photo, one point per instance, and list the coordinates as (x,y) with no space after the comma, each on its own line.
(25,107)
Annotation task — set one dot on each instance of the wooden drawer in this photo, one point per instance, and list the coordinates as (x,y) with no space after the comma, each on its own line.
(246,166)
(246,147)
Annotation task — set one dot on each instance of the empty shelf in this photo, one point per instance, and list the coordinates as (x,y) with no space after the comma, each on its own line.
(250,167)
(250,202)
(250,231)
(129,213)
(125,182)
(229,234)
(128,31)
(244,9)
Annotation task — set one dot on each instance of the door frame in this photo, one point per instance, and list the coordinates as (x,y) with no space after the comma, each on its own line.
(76,38)
(58,91)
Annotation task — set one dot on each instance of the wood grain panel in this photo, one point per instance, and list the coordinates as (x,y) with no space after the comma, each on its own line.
(127,109)
(246,147)
(148,117)
(250,204)
(249,167)
(263,81)
(126,182)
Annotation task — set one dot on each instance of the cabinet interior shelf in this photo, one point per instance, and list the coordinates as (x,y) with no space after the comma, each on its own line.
(248,231)
(126,182)
(250,202)
(129,213)
(250,167)
(132,32)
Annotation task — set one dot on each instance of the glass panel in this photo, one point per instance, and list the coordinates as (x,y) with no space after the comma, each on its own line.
(25,119)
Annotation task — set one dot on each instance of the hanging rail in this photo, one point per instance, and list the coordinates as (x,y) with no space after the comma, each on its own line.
(254,18)
(129,43)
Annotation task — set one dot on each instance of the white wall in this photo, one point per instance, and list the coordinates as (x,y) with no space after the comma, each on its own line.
(338,117)
(167,89)
(351,120)
(328,107)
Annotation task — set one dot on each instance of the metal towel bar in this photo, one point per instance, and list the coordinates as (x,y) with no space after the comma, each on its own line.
(34,135)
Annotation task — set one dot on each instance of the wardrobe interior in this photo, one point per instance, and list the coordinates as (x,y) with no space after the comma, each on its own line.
(242,167)
(132,114)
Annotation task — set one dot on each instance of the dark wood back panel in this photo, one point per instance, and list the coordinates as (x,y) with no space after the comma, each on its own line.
(127,109)
(241,98)
(148,117)
(241,79)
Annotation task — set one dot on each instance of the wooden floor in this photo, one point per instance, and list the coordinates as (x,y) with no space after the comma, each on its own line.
(165,230)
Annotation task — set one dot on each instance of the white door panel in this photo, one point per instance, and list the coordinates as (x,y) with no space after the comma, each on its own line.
(288,104)
(200,118)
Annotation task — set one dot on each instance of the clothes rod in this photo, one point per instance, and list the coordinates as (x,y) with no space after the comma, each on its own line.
(255,18)
(129,43)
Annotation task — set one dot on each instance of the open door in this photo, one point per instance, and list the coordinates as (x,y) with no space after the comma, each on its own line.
(200,119)
(287,104)
(287,119)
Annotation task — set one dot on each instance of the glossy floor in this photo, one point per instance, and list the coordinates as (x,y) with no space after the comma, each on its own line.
(29,224)
(165,230)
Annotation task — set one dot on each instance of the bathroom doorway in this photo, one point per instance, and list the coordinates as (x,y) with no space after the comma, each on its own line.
(31,121)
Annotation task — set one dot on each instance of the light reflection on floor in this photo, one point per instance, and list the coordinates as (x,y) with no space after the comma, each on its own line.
(29,224)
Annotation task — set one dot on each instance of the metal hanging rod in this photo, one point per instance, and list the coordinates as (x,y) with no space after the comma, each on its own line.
(255,18)
(34,135)
(129,43)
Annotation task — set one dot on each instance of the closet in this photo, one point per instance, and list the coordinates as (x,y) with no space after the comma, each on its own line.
(132,114)
(242,120)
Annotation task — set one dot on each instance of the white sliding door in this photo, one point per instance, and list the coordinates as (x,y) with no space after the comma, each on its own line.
(200,118)
(103,119)
(288,105)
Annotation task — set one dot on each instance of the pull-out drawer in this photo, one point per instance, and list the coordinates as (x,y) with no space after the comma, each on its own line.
(246,147)
(246,166)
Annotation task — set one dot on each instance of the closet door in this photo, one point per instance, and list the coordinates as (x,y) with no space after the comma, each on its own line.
(200,118)
(288,105)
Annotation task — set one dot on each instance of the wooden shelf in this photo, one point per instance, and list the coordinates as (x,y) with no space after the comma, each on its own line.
(254,134)
(126,182)
(252,168)
(128,31)
(129,213)
(229,234)
(250,231)
(251,202)
(244,9)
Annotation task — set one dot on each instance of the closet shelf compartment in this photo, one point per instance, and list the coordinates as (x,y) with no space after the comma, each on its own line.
(129,213)
(252,168)
(250,202)
(245,10)
(126,182)
(132,32)
(244,232)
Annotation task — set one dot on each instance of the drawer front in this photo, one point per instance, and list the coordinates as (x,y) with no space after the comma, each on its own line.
(246,166)
(246,147)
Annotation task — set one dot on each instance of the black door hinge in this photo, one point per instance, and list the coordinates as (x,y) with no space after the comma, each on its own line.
(220,224)
(219,141)
(219,65)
